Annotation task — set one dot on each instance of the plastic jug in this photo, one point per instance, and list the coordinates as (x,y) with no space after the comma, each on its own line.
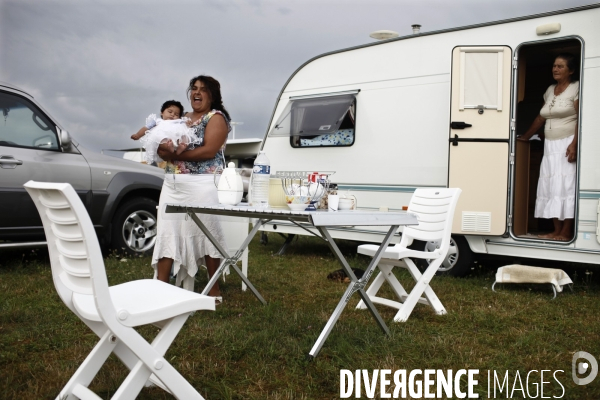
(230,188)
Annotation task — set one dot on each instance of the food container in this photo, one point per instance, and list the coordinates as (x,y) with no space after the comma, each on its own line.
(333,189)
(276,194)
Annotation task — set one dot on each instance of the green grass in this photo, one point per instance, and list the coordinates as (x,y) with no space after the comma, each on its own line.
(246,350)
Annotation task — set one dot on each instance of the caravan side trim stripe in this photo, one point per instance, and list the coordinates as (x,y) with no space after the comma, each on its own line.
(538,247)
(376,188)
(411,189)
(589,195)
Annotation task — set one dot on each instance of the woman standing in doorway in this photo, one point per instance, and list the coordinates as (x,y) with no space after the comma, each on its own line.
(558,173)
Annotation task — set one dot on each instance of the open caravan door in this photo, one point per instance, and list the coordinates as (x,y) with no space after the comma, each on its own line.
(479,138)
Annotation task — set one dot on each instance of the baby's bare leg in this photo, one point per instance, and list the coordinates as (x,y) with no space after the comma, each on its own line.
(169,144)
(180,148)
(182,144)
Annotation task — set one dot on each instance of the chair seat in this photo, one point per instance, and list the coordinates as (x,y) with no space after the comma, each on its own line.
(145,301)
(397,252)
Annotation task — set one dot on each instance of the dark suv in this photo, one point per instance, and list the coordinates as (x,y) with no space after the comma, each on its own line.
(120,195)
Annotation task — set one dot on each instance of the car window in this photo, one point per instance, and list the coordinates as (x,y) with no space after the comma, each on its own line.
(24,125)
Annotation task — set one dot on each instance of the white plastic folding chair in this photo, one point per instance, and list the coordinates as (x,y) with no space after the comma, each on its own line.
(434,209)
(111,312)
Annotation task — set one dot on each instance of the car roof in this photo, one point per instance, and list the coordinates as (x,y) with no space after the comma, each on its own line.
(14,88)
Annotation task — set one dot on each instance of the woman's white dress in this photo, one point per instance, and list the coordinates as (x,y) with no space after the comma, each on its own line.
(556,185)
(178,237)
(159,130)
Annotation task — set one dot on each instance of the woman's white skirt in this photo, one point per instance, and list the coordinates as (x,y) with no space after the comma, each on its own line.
(178,237)
(556,186)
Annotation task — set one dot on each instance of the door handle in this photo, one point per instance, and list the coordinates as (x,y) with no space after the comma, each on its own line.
(9,162)
(459,125)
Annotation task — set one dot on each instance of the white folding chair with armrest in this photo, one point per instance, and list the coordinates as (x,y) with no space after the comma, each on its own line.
(434,209)
(111,312)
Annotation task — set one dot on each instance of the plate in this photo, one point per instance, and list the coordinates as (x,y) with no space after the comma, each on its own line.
(297,207)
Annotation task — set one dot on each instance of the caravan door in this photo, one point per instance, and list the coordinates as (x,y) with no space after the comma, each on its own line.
(479,138)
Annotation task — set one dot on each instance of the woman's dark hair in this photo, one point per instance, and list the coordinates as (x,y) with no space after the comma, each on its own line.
(214,87)
(170,103)
(572,64)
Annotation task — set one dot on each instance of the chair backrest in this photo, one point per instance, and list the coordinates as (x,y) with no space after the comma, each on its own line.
(75,255)
(434,208)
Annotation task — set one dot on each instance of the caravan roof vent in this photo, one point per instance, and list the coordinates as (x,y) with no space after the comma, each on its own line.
(547,29)
(416,29)
(384,34)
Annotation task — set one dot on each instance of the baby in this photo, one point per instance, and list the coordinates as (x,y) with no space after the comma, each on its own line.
(170,129)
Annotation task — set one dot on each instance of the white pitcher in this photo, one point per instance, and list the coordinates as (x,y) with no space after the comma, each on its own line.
(230,188)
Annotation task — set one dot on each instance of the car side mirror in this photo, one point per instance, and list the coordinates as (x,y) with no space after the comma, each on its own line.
(65,139)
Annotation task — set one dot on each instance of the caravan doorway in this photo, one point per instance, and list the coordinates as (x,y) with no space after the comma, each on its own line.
(533,77)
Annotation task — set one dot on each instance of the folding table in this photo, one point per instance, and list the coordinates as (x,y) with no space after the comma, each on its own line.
(321,220)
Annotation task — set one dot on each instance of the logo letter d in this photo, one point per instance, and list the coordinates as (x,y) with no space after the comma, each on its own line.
(346,389)
(583,367)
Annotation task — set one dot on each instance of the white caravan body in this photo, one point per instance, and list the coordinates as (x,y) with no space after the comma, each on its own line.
(407,94)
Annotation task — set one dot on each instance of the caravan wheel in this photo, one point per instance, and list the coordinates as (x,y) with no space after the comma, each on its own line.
(459,260)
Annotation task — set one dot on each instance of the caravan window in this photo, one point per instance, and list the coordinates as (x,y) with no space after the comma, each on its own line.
(481,77)
(318,121)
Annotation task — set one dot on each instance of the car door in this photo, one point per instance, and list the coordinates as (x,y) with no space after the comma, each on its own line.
(30,150)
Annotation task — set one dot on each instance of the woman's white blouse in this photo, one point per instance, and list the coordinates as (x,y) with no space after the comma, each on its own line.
(560,113)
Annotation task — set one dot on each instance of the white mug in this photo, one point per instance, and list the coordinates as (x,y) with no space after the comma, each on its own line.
(332,202)
(347,203)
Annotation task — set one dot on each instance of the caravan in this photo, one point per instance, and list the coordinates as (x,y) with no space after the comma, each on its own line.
(444,109)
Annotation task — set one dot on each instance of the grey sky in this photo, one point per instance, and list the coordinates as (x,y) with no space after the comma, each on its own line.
(100,67)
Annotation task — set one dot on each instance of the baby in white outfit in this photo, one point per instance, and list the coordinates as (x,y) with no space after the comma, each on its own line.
(169,129)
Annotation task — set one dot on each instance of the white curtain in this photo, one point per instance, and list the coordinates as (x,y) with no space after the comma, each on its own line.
(481,79)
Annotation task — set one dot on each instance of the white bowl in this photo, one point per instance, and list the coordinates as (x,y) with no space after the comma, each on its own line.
(297,199)
(297,207)
(316,190)
(346,204)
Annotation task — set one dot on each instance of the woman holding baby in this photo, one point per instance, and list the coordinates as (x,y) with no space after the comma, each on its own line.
(180,244)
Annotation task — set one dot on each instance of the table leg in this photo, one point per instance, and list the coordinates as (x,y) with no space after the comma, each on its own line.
(287,242)
(227,260)
(355,285)
(367,276)
(330,323)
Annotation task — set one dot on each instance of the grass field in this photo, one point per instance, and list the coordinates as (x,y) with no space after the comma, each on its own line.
(246,350)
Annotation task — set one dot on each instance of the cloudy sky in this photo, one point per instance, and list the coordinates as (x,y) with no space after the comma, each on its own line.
(100,67)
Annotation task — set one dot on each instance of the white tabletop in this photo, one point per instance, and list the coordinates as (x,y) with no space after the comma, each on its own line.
(316,218)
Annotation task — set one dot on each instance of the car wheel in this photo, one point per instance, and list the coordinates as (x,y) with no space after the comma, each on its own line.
(459,260)
(134,227)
